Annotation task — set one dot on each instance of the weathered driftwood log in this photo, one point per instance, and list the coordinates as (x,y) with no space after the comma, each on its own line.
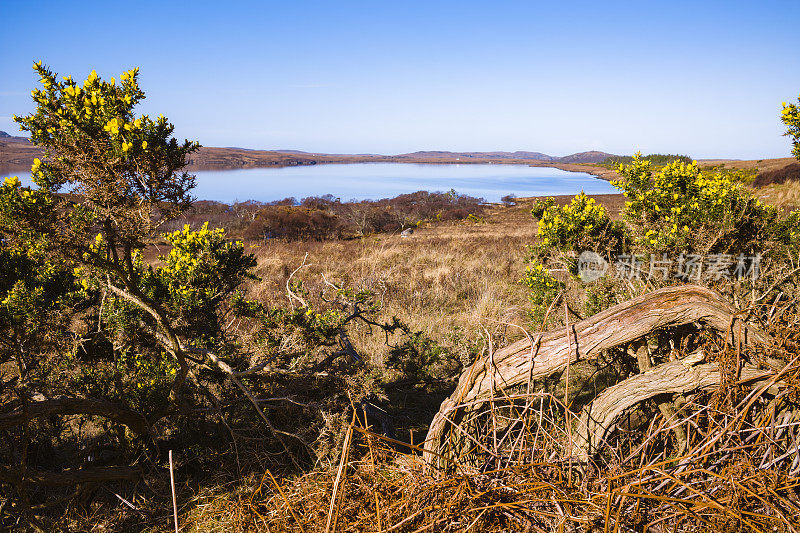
(525,360)
(75,406)
(675,377)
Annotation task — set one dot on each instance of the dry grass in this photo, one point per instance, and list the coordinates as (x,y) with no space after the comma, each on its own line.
(762,165)
(740,471)
(739,475)
(448,280)
(785,195)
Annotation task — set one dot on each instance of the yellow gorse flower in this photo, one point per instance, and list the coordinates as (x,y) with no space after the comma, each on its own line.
(112,126)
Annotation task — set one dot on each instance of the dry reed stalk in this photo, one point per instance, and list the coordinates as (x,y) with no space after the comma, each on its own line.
(172,486)
(333,512)
(286,500)
(567,411)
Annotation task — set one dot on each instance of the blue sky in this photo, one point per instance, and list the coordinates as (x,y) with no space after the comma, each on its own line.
(703,78)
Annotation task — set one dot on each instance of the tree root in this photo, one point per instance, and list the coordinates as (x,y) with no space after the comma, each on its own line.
(675,377)
(527,360)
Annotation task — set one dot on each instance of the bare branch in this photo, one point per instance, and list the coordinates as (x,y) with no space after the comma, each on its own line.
(76,406)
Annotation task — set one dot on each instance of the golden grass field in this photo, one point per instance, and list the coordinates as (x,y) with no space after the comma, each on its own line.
(449,280)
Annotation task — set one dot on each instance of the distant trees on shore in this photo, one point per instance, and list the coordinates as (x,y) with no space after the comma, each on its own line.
(327,217)
(658,160)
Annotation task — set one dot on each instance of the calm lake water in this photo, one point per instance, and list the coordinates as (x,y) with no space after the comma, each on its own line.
(385,180)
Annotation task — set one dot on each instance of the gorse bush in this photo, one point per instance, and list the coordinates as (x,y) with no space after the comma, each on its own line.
(680,208)
(790,116)
(36,297)
(564,232)
(656,159)
(582,224)
(670,213)
(543,288)
(85,320)
(195,283)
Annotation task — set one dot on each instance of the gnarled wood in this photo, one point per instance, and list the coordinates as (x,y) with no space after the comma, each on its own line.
(674,377)
(76,406)
(550,352)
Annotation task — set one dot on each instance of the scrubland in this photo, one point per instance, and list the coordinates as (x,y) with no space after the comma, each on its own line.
(571,364)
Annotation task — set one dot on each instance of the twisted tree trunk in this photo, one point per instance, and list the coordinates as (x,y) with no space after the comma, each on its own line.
(681,376)
(626,322)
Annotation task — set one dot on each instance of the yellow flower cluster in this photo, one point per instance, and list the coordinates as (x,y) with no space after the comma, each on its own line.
(537,276)
(72,91)
(191,250)
(565,225)
(112,126)
(677,199)
(92,103)
(543,288)
(790,116)
(98,243)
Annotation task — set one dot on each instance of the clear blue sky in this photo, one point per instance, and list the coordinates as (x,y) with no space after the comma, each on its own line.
(704,77)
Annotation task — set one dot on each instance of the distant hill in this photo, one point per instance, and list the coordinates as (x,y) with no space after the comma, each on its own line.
(439,154)
(17,153)
(582,157)
(585,157)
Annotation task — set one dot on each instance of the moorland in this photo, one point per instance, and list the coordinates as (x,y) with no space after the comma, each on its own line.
(314,365)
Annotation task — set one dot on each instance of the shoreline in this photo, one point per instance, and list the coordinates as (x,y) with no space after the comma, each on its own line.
(17,154)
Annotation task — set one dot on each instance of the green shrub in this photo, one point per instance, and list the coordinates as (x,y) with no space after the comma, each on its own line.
(790,116)
(580,225)
(683,209)
(543,289)
(420,358)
